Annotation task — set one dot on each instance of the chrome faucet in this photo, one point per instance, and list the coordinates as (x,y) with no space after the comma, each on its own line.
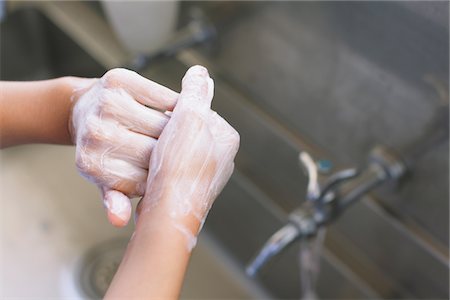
(199,30)
(327,196)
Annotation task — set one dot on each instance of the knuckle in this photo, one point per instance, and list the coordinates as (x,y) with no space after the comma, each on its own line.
(92,131)
(93,136)
(235,136)
(85,164)
(226,131)
(113,77)
(231,132)
(103,100)
(105,105)
(142,154)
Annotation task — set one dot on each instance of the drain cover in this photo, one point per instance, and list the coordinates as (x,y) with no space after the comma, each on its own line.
(98,266)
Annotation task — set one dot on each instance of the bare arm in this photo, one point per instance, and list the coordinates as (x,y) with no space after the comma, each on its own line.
(36,112)
(114,122)
(155,261)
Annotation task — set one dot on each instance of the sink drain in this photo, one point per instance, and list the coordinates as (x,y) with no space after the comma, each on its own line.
(98,266)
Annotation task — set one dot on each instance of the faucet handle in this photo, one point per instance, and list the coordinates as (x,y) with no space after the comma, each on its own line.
(338,177)
(310,167)
(320,184)
(305,220)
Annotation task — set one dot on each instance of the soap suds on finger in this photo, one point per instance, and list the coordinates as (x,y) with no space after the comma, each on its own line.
(118,206)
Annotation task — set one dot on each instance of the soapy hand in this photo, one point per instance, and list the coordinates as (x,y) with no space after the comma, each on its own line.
(115,123)
(193,158)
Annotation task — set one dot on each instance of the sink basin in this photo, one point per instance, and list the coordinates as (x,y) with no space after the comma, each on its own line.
(52,218)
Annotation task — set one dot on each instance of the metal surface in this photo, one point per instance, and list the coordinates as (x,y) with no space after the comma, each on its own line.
(433,136)
(327,197)
(198,31)
(276,243)
(97,267)
(347,76)
(358,90)
(253,226)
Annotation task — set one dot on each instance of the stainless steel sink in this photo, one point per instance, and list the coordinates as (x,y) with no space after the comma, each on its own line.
(57,243)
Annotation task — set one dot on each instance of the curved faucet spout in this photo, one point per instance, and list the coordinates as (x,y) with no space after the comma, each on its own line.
(276,243)
(327,199)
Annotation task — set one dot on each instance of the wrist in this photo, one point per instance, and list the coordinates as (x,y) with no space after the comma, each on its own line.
(73,88)
(159,253)
(160,213)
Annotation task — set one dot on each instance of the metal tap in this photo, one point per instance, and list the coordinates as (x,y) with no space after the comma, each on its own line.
(199,30)
(327,196)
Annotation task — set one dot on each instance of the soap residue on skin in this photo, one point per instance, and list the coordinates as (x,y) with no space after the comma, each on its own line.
(114,123)
(191,239)
(193,159)
(121,208)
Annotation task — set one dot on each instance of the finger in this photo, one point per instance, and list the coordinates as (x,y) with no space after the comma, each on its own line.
(122,176)
(111,141)
(197,88)
(133,115)
(142,89)
(126,178)
(135,148)
(97,163)
(227,144)
(225,136)
(118,207)
(210,94)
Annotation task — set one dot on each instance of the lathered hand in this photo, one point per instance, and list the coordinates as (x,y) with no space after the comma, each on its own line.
(115,123)
(193,158)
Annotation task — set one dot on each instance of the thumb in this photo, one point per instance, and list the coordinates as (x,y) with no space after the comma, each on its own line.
(118,207)
(197,88)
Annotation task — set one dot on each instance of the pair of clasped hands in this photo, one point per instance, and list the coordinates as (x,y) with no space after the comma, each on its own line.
(137,138)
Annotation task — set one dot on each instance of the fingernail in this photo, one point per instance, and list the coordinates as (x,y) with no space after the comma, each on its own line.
(198,70)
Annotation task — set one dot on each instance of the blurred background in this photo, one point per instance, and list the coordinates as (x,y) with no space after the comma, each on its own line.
(334,79)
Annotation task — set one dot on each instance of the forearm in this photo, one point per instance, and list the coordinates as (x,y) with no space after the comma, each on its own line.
(36,112)
(189,166)
(157,256)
